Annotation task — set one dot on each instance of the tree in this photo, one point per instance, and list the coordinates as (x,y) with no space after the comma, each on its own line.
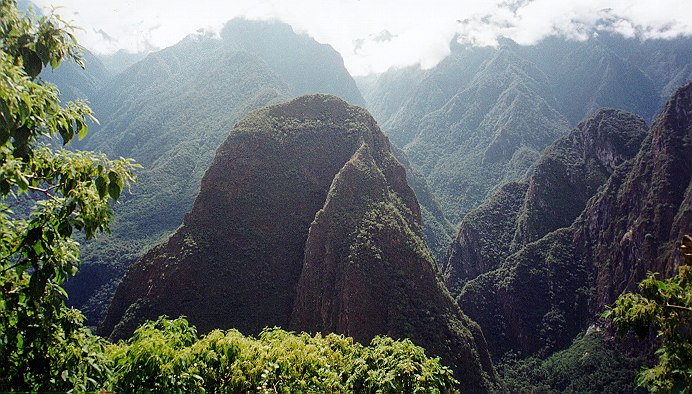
(665,306)
(47,193)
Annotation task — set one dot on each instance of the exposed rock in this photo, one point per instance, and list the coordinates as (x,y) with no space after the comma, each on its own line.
(641,214)
(550,289)
(305,195)
(568,173)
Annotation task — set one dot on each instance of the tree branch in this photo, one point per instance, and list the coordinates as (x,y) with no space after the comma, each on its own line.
(679,307)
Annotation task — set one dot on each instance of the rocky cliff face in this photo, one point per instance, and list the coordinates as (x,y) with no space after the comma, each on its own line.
(634,224)
(543,294)
(305,220)
(568,173)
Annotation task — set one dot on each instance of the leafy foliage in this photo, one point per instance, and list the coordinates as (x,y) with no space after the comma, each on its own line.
(590,364)
(167,355)
(666,307)
(53,192)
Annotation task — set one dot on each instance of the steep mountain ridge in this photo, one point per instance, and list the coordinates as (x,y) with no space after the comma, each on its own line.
(647,210)
(305,220)
(567,175)
(488,133)
(170,112)
(562,81)
(547,290)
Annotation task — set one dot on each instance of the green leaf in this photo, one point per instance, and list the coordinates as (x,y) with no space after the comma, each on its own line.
(65,229)
(32,63)
(115,185)
(82,129)
(101,186)
(43,52)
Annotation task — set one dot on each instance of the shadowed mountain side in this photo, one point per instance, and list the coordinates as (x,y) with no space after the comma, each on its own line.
(541,296)
(437,230)
(250,220)
(367,271)
(569,172)
(313,167)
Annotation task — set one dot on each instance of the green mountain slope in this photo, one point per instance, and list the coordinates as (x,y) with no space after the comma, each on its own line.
(487,134)
(481,117)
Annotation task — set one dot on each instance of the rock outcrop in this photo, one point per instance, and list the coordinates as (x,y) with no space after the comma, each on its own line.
(305,220)
(549,289)
(170,112)
(567,175)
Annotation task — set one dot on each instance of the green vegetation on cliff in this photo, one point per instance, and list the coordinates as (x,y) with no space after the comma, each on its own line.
(548,290)
(592,363)
(481,117)
(510,251)
(664,307)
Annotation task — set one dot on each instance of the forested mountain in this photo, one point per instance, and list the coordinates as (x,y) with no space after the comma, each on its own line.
(555,267)
(567,175)
(269,196)
(483,115)
(305,220)
(76,82)
(171,111)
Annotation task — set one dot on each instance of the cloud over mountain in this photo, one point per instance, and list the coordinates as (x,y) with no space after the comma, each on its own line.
(418,32)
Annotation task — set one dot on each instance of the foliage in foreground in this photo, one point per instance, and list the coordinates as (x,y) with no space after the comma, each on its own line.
(666,307)
(46,194)
(167,355)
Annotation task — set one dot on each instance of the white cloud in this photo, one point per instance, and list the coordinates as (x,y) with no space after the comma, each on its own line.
(419,31)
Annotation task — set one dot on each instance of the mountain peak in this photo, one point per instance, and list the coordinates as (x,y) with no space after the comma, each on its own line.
(305,220)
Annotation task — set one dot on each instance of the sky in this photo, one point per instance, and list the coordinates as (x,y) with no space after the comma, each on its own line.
(374,35)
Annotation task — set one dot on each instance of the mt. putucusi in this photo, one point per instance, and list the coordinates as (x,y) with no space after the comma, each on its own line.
(171,110)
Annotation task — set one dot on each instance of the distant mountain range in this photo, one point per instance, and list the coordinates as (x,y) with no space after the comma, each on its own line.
(482,116)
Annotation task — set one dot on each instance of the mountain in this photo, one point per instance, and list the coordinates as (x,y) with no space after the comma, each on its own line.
(75,82)
(481,117)
(567,175)
(476,122)
(437,230)
(387,93)
(304,220)
(595,217)
(170,112)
